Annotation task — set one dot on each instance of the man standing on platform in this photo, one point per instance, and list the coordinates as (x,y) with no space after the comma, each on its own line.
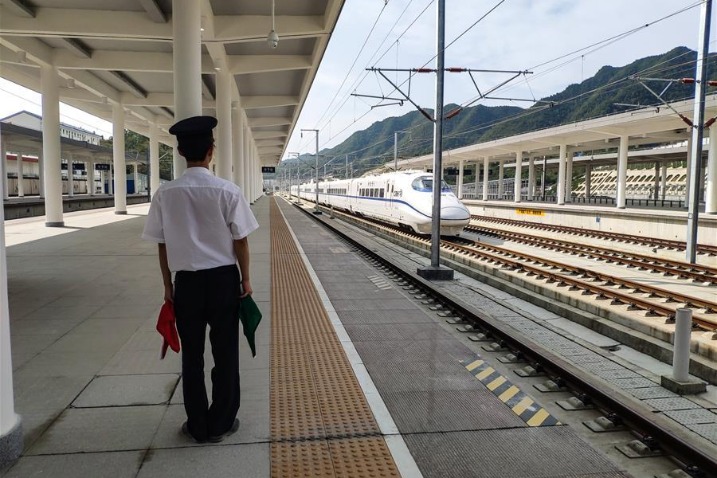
(201,224)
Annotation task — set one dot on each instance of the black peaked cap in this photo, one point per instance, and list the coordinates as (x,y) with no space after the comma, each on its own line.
(194,126)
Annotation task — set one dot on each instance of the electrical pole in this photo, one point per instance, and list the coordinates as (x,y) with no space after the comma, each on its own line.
(395,148)
(435,271)
(316,208)
(693,188)
(297,155)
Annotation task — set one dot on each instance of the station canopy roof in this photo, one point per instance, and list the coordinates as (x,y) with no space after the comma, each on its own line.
(655,134)
(121,50)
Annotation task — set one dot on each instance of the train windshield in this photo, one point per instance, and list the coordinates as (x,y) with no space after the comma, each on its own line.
(425,184)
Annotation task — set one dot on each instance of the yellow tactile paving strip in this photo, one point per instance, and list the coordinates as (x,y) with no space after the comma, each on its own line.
(321,424)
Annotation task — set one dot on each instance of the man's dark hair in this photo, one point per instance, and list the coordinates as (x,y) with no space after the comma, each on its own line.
(194,137)
(195,148)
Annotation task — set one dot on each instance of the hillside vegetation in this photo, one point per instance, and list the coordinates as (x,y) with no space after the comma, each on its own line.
(596,96)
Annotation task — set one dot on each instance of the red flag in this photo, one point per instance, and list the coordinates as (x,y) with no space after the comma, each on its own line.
(166,325)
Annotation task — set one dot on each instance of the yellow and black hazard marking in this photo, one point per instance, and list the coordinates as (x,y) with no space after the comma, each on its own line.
(522,405)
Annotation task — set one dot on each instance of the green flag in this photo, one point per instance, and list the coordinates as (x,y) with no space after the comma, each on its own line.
(250,317)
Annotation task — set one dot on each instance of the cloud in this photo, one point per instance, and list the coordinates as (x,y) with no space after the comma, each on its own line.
(518,35)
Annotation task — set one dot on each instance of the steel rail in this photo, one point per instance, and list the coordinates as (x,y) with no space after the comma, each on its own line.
(512,259)
(689,301)
(630,411)
(682,270)
(648,241)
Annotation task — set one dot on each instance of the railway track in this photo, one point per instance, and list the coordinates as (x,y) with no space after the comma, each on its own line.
(612,236)
(650,429)
(602,287)
(578,278)
(667,267)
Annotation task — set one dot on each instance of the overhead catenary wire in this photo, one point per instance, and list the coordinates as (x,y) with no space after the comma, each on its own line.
(403,33)
(358,55)
(582,53)
(579,53)
(530,111)
(364,73)
(522,114)
(36,103)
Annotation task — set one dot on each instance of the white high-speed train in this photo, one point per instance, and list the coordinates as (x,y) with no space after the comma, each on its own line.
(404,198)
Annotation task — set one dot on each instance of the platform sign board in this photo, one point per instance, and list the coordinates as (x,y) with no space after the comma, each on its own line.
(102,167)
(268,169)
(530,212)
(78,166)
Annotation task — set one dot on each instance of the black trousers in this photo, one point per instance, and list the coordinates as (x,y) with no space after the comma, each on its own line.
(210,297)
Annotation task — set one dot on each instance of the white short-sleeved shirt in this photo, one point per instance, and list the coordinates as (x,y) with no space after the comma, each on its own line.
(198,216)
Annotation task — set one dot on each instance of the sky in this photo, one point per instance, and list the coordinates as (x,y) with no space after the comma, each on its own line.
(517,35)
(514,35)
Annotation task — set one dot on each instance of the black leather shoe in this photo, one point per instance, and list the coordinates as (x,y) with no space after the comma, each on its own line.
(188,434)
(231,431)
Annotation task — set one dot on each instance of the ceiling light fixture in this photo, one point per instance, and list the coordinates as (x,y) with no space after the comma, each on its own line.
(273,38)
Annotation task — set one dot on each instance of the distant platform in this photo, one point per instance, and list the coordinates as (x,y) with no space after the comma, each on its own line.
(668,224)
(32,206)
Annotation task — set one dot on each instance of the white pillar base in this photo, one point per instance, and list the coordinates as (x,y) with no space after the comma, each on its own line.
(11,444)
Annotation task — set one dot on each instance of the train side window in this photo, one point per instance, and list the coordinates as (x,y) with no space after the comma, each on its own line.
(380,192)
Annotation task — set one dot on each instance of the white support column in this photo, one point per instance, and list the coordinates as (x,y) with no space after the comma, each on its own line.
(118,159)
(3,169)
(51,146)
(110,182)
(663,181)
(531,178)
(70,176)
(256,172)
(224,127)
(588,180)
(247,162)
(237,142)
(622,171)
(41,175)
(501,186)
(656,186)
(91,177)
(688,166)
(486,169)
(20,175)
(460,179)
(9,420)
(10,423)
(560,187)
(177,160)
(252,172)
(153,158)
(711,189)
(187,56)
(477,178)
(135,178)
(569,177)
(518,178)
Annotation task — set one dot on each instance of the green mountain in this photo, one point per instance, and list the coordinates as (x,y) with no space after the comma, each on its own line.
(607,92)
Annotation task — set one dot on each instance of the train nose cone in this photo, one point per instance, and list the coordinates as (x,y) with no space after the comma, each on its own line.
(454,213)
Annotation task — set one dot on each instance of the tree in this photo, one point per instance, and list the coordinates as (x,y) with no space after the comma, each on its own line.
(138,145)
